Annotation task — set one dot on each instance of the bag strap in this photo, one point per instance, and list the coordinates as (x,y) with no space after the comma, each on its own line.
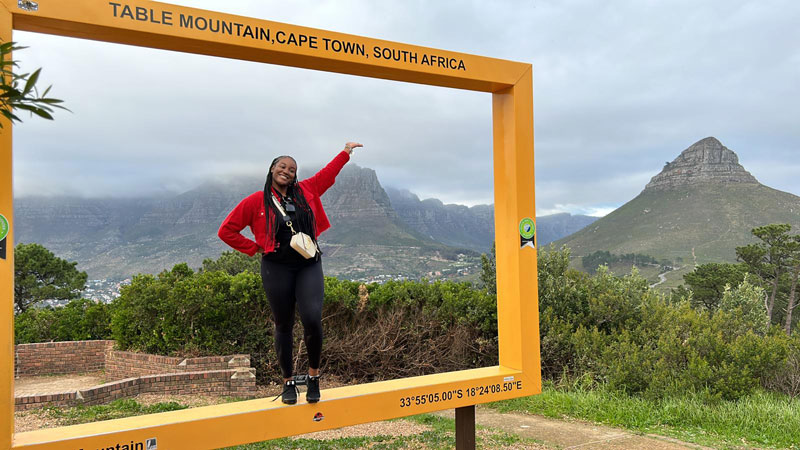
(284,216)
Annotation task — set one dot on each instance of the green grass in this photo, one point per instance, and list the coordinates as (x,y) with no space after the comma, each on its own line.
(762,419)
(440,436)
(114,410)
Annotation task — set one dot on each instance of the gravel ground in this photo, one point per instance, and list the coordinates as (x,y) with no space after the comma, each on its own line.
(393,428)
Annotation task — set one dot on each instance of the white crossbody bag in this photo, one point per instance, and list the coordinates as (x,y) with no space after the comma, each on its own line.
(301,242)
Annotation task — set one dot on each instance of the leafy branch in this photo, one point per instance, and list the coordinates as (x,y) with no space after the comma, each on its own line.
(18,91)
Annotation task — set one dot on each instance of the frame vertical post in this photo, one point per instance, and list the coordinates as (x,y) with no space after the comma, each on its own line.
(517,284)
(6,266)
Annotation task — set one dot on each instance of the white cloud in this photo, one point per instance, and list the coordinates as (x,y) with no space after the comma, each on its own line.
(620,88)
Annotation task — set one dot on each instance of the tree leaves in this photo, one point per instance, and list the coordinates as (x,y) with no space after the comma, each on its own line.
(40,275)
(27,99)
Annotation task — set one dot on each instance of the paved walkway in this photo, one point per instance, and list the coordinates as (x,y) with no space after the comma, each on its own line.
(571,434)
(52,384)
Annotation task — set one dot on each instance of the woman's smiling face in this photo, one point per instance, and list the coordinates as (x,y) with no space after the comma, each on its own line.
(284,172)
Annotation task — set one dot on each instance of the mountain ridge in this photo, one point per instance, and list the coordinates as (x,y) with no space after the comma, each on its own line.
(697,209)
(705,161)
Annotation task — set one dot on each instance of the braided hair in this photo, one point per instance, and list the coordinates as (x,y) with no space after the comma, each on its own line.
(304,222)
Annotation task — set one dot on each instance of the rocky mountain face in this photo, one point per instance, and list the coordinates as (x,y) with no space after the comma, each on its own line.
(705,161)
(375,230)
(697,210)
(358,194)
(555,226)
(455,225)
(472,227)
(362,212)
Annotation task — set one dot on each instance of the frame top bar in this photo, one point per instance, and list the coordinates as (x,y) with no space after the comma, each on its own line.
(191,30)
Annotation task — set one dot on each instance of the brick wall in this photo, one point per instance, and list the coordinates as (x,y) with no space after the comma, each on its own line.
(136,373)
(128,364)
(58,358)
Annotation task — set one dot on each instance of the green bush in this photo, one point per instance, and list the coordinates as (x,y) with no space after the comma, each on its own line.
(76,321)
(622,334)
(449,302)
(232,262)
(570,300)
(786,379)
(179,312)
(747,301)
(676,349)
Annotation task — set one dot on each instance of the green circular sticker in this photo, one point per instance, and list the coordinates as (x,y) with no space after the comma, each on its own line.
(3,227)
(527,228)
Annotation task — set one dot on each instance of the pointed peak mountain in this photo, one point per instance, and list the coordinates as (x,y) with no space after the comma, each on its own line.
(705,161)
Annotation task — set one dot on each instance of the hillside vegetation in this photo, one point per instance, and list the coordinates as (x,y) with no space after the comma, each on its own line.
(689,225)
(614,331)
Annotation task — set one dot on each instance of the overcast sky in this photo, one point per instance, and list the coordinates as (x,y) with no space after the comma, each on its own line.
(620,87)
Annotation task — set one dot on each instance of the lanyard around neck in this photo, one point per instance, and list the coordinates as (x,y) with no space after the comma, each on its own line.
(276,193)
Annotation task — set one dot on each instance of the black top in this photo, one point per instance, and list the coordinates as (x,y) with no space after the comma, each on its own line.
(284,253)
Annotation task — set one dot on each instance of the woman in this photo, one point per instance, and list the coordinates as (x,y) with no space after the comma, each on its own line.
(290,280)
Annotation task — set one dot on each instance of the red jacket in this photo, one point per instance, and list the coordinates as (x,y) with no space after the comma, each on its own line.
(250,211)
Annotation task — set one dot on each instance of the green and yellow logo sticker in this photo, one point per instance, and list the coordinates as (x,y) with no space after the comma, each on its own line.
(3,227)
(527,228)
(527,231)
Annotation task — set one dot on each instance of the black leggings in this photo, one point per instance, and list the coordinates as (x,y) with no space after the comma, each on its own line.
(285,286)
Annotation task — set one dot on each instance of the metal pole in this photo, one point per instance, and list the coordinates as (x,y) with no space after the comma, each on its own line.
(465,428)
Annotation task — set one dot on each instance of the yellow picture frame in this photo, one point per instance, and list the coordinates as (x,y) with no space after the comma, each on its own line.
(177,28)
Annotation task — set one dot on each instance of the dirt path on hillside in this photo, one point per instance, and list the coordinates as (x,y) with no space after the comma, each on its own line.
(663,276)
(571,434)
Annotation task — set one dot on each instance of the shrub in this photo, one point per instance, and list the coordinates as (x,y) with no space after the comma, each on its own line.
(621,333)
(786,379)
(232,262)
(179,311)
(371,332)
(78,320)
(570,301)
(748,299)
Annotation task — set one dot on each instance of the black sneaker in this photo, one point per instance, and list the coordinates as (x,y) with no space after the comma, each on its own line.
(312,394)
(289,394)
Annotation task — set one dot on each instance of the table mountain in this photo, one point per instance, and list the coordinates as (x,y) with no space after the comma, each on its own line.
(456,225)
(698,209)
(375,231)
(472,227)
